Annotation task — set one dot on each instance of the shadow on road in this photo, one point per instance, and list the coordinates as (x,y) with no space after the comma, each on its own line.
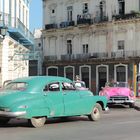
(118,106)
(24,123)
(137,108)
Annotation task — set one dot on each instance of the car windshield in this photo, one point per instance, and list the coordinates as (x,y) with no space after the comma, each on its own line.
(118,84)
(16,86)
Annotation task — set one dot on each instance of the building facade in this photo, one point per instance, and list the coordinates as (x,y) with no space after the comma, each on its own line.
(16,45)
(99,40)
(35,65)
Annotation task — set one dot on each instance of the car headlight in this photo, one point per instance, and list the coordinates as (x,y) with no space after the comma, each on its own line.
(132,94)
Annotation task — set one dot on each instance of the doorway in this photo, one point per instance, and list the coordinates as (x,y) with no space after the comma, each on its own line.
(102,76)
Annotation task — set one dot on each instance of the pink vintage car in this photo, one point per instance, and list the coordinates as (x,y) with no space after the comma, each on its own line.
(118,93)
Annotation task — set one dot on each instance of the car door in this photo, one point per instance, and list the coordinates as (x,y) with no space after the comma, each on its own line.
(73,102)
(54,99)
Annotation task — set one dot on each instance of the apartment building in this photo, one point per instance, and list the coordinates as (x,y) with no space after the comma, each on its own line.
(99,40)
(18,42)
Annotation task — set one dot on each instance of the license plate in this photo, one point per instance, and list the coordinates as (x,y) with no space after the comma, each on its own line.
(119,101)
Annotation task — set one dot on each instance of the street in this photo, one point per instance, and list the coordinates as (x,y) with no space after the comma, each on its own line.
(119,123)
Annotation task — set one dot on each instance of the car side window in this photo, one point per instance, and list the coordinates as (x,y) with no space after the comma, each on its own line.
(52,87)
(67,86)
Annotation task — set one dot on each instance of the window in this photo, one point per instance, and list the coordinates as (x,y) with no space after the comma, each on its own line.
(69,13)
(67,86)
(121,73)
(53,11)
(26,18)
(52,87)
(85,8)
(69,47)
(20,10)
(23,14)
(16,86)
(121,6)
(85,48)
(121,45)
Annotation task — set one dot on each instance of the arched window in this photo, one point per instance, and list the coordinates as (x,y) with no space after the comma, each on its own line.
(69,72)
(102,76)
(121,73)
(85,75)
(52,71)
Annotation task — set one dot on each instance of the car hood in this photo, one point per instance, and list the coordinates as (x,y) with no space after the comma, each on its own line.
(116,91)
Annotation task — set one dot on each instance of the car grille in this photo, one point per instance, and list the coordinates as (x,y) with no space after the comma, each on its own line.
(119,98)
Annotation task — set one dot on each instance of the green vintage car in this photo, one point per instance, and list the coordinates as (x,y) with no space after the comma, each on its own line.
(37,98)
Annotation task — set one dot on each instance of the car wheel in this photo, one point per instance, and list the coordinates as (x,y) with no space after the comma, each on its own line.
(38,121)
(4,121)
(96,113)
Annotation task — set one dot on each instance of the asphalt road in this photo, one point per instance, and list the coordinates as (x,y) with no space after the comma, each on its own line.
(117,124)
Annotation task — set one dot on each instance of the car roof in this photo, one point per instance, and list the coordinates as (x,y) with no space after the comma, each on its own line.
(38,82)
(48,78)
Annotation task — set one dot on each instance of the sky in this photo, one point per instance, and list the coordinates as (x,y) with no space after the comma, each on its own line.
(35,14)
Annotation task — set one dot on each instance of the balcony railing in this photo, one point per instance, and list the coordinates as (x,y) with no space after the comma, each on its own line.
(51,58)
(126,16)
(68,57)
(15,23)
(67,24)
(50,26)
(84,19)
(94,56)
(99,19)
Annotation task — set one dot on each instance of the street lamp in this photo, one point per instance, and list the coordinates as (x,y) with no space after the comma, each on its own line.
(3,31)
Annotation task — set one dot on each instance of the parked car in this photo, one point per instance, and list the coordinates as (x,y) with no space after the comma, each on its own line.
(37,98)
(118,93)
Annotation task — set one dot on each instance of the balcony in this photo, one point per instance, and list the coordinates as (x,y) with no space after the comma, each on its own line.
(83,21)
(67,24)
(96,56)
(99,19)
(51,58)
(68,57)
(50,26)
(126,16)
(17,30)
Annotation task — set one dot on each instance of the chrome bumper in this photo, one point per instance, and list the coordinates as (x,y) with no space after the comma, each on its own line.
(121,101)
(12,114)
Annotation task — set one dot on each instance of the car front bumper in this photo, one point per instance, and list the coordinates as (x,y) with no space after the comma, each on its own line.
(121,101)
(12,114)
